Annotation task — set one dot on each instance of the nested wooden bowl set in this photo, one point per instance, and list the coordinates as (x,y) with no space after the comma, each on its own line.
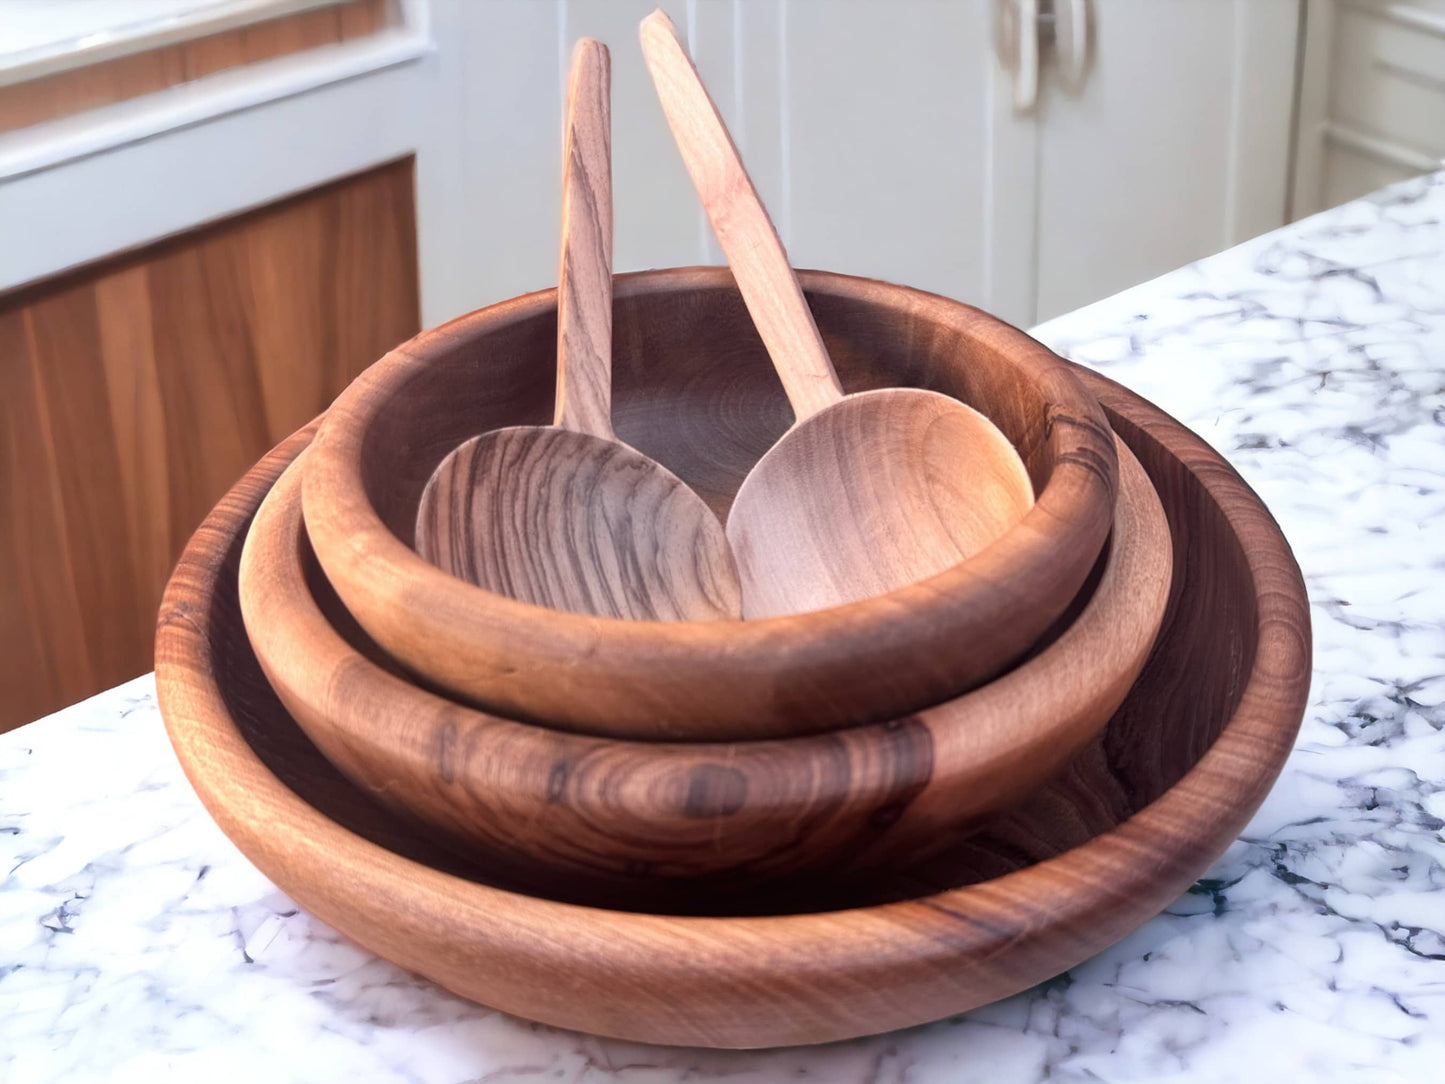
(584,722)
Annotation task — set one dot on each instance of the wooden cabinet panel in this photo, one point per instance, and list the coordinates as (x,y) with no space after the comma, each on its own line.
(137,391)
(40,666)
(64,339)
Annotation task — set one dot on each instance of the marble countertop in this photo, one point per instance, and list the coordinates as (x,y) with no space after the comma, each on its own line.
(136,943)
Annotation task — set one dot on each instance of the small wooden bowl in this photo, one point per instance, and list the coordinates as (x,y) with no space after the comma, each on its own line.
(686,353)
(619,816)
(1139,815)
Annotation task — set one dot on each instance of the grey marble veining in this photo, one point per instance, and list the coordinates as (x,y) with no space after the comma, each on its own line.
(137,944)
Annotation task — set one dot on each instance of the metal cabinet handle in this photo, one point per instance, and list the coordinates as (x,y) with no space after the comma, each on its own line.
(1023,28)
(1070,19)
(1016,44)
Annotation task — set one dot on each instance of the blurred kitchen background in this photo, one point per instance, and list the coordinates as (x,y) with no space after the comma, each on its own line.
(213,213)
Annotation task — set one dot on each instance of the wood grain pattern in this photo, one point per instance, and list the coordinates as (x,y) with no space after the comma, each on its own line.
(625,822)
(575,523)
(584,265)
(565,516)
(863,495)
(684,344)
(108,81)
(1145,810)
(883,489)
(138,390)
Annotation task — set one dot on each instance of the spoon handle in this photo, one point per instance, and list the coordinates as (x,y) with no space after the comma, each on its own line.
(746,234)
(584,272)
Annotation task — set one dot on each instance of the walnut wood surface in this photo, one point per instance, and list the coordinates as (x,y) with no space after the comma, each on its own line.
(584,265)
(565,516)
(862,496)
(624,821)
(576,523)
(688,360)
(1144,810)
(136,391)
(883,489)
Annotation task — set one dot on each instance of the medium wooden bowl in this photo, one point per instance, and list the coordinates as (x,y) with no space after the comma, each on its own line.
(616,815)
(686,353)
(1140,814)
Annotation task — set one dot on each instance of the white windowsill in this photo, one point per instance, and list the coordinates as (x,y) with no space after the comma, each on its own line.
(43,146)
(42,37)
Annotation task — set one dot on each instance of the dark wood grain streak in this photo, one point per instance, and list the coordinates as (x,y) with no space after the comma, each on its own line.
(136,391)
(1073,870)
(864,662)
(881,490)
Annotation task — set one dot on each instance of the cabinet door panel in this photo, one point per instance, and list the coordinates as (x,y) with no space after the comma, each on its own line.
(138,390)
(43,662)
(1388,78)
(887,109)
(65,349)
(880,135)
(1175,146)
(137,420)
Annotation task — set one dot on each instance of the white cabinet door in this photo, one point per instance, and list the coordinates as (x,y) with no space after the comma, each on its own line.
(884,139)
(879,136)
(1176,144)
(899,154)
(1372,98)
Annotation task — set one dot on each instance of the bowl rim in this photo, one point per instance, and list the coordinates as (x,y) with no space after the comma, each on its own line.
(725,679)
(788,979)
(987,748)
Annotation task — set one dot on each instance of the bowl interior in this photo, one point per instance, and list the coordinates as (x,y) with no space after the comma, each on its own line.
(693,387)
(1186,694)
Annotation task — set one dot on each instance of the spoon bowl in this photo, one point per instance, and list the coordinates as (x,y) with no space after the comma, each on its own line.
(566,516)
(885,488)
(575,522)
(866,493)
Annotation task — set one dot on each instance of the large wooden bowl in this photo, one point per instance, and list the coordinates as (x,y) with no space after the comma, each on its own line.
(1141,813)
(686,357)
(617,815)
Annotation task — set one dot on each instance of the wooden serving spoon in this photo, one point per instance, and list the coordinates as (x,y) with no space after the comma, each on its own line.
(566,515)
(866,492)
